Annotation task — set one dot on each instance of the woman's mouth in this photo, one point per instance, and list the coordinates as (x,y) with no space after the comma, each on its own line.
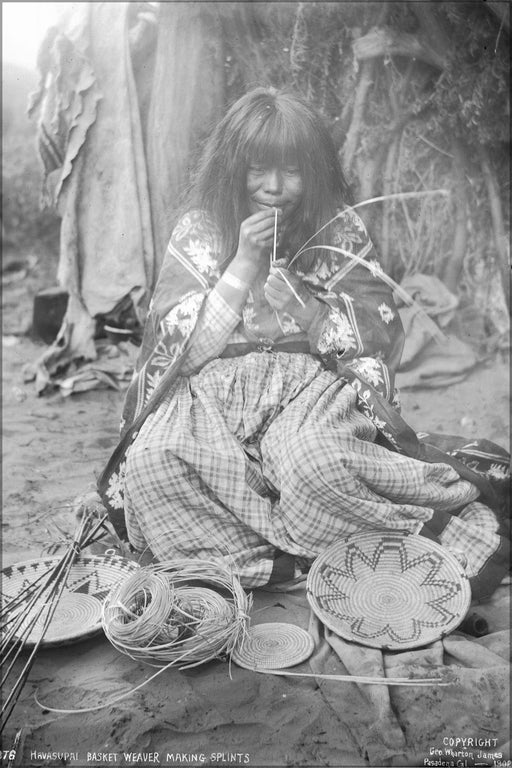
(263,205)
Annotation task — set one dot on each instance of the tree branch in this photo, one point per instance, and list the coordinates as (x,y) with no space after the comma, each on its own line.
(390,42)
(501,10)
(498,226)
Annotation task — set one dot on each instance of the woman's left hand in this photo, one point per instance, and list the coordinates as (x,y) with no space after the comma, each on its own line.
(283,289)
(285,292)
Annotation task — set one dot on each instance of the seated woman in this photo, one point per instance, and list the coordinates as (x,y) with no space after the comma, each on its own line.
(260,418)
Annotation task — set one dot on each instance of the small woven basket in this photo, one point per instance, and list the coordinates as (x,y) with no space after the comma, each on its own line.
(273,646)
(388,590)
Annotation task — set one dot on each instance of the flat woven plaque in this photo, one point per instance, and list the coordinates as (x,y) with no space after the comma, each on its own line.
(388,590)
(275,645)
(78,612)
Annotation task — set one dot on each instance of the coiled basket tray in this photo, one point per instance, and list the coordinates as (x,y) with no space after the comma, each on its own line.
(78,612)
(388,590)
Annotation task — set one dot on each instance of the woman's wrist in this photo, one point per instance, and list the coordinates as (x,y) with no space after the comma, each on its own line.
(235,282)
(234,285)
(243,267)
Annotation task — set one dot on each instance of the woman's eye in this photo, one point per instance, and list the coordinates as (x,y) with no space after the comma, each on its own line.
(256,169)
(292,171)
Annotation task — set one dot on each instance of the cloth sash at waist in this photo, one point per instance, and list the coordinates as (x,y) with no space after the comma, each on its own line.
(265,345)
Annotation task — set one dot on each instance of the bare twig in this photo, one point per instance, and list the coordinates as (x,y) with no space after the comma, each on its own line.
(434,146)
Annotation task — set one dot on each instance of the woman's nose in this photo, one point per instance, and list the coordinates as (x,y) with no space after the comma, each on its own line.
(273,180)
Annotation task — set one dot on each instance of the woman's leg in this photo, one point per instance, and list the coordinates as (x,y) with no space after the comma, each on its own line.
(194,485)
(179,498)
(333,480)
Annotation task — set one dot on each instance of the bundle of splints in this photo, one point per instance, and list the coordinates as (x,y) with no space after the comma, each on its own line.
(177,613)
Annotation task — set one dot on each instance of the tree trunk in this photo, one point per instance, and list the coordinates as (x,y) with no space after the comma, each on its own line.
(500,237)
(369,173)
(433,34)
(363,86)
(453,267)
(187,100)
(501,10)
(388,206)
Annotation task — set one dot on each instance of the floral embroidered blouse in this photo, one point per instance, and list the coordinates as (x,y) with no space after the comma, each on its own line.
(356,320)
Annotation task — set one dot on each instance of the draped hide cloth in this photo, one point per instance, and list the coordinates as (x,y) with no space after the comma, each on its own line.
(90,140)
(425,362)
(399,726)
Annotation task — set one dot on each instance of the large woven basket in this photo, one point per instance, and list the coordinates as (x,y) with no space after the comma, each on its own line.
(388,590)
(78,613)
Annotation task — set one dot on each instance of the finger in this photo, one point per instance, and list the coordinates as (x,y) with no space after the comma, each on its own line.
(261,239)
(276,283)
(272,208)
(288,282)
(275,300)
(272,284)
(266,214)
(276,296)
(260,228)
(282,272)
(264,239)
(264,231)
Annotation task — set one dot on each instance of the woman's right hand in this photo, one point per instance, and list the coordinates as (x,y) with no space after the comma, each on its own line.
(256,238)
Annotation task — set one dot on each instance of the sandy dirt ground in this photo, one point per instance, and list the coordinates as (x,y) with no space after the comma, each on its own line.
(54,447)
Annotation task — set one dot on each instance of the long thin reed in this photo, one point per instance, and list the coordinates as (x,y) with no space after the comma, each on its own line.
(274,249)
(292,289)
(429,324)
(435,332)
(370,201)
(362,679)
(20,618)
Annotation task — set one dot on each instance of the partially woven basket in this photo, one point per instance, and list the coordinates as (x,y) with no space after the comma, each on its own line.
(388,590)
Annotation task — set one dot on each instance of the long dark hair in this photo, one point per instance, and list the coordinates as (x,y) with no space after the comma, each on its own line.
(265,126)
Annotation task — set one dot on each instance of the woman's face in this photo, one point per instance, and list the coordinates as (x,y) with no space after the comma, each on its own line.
(273,186)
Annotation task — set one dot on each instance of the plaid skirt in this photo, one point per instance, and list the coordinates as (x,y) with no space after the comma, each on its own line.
(269,452)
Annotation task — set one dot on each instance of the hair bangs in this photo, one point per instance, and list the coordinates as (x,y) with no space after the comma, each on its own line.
(269,128)
(274,140)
